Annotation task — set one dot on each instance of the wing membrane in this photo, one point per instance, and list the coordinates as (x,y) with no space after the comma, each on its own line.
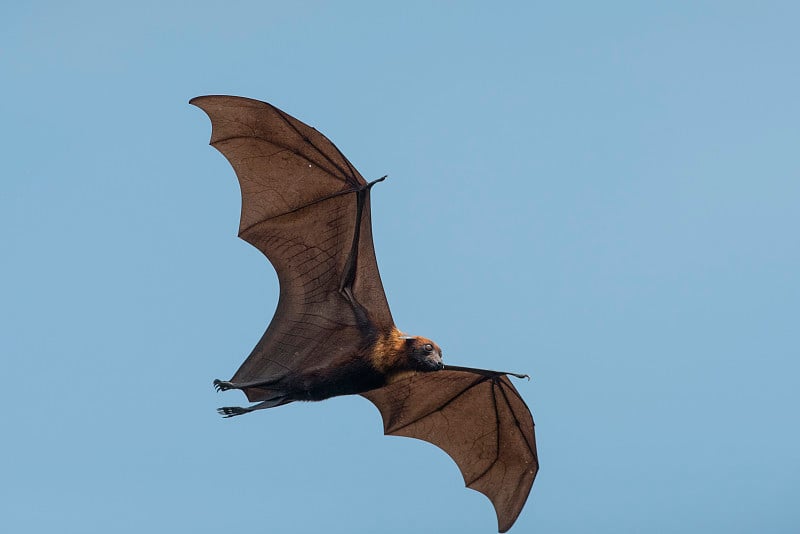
(480,421)
(299,208)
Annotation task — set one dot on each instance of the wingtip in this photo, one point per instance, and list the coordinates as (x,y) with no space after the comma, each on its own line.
(505,524)
(196,101)
(505,520)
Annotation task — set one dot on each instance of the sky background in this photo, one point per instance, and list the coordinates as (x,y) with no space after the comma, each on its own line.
(604,195)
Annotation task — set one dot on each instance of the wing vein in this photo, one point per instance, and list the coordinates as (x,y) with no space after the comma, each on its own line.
(442,406)
(351,179)
(317,201)
(497,439)
(516,420)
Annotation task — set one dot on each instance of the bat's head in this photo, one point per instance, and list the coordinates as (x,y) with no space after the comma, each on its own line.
(423,354)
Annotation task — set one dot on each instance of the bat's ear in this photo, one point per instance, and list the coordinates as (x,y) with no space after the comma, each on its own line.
(408,339)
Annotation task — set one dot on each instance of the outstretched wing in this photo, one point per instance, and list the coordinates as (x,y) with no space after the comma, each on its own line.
(480,421)
(299,207)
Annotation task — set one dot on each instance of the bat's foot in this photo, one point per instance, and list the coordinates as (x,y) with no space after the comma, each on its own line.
(233,411)
(222,385)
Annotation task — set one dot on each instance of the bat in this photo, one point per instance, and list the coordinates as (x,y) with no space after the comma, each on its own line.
(307,209)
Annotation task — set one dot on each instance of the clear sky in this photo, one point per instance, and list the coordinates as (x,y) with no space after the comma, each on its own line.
(604,195)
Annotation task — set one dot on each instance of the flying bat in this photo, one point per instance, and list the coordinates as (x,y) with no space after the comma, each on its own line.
(307,209)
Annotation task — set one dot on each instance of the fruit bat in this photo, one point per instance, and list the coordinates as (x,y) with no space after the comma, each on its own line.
(307,209)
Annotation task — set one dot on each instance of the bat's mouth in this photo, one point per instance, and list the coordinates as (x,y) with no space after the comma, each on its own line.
(429,362)
(434,362)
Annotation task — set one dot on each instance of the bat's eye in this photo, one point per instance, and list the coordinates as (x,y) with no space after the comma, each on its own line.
(428,347)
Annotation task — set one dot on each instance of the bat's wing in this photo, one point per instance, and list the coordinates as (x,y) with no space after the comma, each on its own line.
(479,420)
(299,207)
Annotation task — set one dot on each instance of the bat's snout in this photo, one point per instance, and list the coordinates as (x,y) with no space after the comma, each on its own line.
(430,362)
(435,361)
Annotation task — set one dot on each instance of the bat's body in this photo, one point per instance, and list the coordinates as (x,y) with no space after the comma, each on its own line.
(383,359)
(307,209)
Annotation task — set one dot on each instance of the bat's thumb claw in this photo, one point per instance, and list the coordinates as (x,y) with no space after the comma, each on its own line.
(520,375)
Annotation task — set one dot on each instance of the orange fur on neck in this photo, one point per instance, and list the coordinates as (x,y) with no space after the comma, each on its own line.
(388,352)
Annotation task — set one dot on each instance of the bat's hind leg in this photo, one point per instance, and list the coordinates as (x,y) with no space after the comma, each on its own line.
(232,411)
(224,385)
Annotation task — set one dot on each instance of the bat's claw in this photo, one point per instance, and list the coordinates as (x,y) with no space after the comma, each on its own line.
(232,411)
(222,385)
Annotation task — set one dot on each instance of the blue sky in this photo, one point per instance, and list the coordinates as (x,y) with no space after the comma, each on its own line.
(603,195)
